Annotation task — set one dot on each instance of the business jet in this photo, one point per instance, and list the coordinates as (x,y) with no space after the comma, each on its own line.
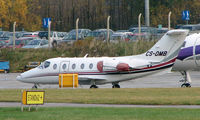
(188,58)
(101,70)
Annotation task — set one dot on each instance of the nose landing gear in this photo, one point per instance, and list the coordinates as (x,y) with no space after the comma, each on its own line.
(93,86)
(35,86)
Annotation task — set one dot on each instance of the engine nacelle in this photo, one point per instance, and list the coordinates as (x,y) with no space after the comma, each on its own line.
(123,67)
(112,65)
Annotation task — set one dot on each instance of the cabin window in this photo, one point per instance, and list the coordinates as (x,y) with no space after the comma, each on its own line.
(64,66)
(46,64)
(91,66)
(54,66)
(82,66)
(73,66)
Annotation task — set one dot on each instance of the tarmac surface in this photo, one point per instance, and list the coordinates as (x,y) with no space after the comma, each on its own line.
(169,80)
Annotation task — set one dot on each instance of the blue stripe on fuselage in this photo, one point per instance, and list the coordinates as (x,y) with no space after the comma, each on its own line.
(188,52)
(197,50)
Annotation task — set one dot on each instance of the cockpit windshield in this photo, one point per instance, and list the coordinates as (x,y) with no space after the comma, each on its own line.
(44,64)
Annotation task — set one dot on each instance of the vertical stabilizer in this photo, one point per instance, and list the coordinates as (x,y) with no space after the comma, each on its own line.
(167,47)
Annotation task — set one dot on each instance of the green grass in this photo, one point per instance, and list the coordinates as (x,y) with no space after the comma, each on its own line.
(152,96)
(70,113)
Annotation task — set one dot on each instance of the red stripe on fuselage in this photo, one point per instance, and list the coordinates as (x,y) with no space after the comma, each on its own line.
(85,73)
(169,62)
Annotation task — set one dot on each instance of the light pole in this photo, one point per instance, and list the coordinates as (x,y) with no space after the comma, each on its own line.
(147,20)
(108,28)
(49,30)
(169,21)
(14,35)
(139,24)
(77,20)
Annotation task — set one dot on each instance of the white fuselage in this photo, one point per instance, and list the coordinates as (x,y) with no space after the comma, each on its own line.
(88,71)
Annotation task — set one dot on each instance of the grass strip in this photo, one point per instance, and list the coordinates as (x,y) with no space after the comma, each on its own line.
(150,96)
(70,113)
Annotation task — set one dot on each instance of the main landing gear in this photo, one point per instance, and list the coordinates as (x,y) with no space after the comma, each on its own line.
(93,86)
(186,79)
(115,85)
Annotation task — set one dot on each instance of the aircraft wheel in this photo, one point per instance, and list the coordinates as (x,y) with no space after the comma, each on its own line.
(186,85)
(116,86)
(35,86)
(93,86)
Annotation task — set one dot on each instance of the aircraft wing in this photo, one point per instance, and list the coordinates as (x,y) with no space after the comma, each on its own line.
(89,78)
(85,80)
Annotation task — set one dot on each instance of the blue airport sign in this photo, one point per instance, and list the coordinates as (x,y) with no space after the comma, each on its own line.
(186,15)
(45,22)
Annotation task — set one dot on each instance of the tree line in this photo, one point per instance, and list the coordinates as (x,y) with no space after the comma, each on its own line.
(92,14)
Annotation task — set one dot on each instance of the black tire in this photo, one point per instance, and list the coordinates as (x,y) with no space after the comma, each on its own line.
(186,85)
(35,87)
(116,86)
(183,86)
(93,86)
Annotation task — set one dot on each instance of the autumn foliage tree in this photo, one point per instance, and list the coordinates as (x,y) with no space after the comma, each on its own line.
(18,11)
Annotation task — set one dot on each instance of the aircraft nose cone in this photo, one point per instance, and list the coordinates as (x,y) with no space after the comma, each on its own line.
(19,78)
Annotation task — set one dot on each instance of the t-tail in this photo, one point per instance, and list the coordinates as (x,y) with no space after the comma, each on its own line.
(168,47)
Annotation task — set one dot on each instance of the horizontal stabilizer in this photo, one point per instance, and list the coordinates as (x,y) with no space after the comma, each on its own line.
(177,32)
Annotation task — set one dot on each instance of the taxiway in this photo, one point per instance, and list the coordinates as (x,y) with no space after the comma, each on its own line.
(169,80)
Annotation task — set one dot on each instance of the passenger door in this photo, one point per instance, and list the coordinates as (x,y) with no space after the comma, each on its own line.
(64,66)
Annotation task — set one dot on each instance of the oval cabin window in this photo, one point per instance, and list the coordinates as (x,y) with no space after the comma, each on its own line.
(54,66)
(91,66)
(73,66)
(82,66)
(64,66)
